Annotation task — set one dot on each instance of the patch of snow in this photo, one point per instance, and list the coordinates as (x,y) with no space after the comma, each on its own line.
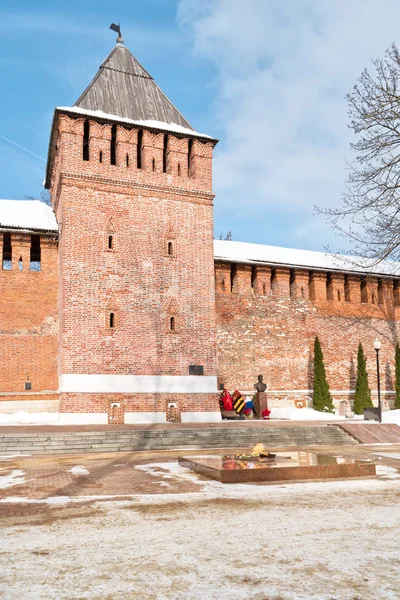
(387,455)
(244,252)
(16,477)
(24,418)
(10,456)
(78,471)
(303,414)
(387,472)
(391,416)
(172,127)
(27,214)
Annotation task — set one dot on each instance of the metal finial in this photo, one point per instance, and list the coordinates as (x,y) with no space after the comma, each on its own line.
(117,29)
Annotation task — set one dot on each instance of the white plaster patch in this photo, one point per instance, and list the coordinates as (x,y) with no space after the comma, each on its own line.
(83,419)
(201,417)
(144,417)
(138,384)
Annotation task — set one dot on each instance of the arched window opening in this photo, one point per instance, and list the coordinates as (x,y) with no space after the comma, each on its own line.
(153,165)
(35,262)
(7,252)
(165,153)
(127,160)
(113,145)
(139,148)
(172,323)
(112,321)
(179,169)
(86,132)
(20,263)
(101,156)
(110,242)
(190,157)
(170,249)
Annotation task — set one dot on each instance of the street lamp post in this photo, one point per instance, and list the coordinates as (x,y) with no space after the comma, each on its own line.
(377,346)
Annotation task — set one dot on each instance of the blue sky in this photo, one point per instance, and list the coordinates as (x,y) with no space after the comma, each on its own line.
(268,79)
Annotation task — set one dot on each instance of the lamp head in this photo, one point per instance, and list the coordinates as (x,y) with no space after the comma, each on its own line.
(377,344)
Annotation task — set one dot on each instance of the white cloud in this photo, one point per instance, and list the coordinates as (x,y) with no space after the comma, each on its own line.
(283,70)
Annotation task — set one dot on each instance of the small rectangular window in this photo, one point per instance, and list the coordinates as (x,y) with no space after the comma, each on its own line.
(7,252)
(35,258)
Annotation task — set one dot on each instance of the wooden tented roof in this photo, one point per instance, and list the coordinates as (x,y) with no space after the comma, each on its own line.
(122,87)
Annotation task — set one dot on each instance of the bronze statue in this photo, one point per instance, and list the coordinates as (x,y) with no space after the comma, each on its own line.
(260,386)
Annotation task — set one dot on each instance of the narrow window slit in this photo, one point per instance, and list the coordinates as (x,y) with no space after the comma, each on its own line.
(112,320)
(110,242)
(233,276)
(101,156)
(165,153)
(179,169)
(20,263)
(139,148)
(253,277)
(127,160)
(35,257)
(7,252)
(154,165)
(190,157)
(170,249)
(86,132)
(172,323)
(113,145)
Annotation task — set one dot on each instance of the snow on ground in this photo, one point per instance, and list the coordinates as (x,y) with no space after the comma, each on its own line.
(16,477)
(302,541)
(78,471)
(303,414)
(391,416)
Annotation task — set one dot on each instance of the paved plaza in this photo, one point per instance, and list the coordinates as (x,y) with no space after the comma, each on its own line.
(138,526)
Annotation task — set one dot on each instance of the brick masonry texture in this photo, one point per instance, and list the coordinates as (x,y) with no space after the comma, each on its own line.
(269,327)
(137,243)
(29,319)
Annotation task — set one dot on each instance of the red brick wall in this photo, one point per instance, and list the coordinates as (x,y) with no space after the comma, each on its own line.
(137,280)
(273,334)
(29,320)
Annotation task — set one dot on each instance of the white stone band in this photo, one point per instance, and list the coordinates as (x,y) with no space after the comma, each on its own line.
(138,384)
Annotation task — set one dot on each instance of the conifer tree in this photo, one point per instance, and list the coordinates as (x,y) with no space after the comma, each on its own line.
(362,394)
(397,376)
(322,399)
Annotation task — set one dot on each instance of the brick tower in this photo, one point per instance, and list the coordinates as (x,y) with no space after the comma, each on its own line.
(131,187)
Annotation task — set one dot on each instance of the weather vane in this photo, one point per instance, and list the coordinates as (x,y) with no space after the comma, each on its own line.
(117,29)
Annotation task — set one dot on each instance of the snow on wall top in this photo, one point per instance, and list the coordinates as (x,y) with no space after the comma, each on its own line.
(151,123)
(242,252)
(27,214)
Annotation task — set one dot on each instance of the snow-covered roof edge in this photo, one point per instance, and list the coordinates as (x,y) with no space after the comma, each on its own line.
(152,124)
(243,252)
(27,215)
